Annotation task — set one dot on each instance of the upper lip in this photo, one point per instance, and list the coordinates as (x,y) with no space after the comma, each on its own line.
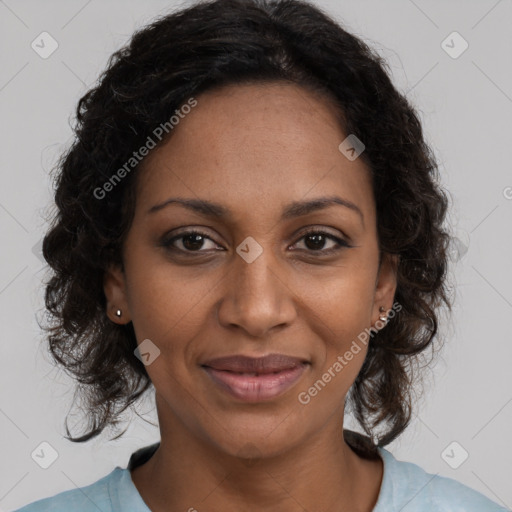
(245,364)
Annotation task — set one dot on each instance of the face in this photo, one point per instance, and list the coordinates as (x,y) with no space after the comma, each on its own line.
(254,282)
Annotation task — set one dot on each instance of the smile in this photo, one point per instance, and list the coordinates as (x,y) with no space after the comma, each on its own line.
(253,386)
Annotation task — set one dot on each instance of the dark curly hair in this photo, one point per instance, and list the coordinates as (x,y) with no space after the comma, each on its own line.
(176,57)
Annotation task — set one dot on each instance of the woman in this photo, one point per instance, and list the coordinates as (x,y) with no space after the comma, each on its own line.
(249,222)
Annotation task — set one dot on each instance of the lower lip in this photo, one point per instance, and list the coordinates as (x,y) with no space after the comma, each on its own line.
(257,388)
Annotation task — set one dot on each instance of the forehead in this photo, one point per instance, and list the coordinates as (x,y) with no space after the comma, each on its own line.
(253,147)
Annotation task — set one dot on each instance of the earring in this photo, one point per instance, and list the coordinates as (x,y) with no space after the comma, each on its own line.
(383,318)
(119,313)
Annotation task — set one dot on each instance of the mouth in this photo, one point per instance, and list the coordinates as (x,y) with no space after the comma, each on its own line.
(255,379)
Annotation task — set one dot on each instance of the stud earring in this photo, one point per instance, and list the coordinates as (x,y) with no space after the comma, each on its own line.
(383,318)
(119,313)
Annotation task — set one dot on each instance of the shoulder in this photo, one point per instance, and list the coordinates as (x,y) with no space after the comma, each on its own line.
(95,496)
(408,487)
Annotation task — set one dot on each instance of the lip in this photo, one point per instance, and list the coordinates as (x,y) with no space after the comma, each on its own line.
(255,379)
(247,364)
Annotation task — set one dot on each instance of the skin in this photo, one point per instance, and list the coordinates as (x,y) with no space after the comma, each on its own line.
(253,149)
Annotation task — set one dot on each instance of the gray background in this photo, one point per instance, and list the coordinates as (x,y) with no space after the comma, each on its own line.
(465,104)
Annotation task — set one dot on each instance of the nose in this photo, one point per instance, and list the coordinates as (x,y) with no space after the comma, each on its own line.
(258,296)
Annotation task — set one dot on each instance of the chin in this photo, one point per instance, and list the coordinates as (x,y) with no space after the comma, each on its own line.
(250,438)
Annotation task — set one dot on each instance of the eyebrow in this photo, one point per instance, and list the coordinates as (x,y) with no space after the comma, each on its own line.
(294,209)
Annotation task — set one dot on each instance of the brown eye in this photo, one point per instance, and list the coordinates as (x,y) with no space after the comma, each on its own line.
(191,241)
(316,240)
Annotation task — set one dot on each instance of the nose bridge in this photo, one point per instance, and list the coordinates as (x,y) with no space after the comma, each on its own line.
(255,272)
(257,275)
(256,297)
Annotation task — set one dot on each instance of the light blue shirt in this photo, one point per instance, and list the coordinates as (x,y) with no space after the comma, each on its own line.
(405,487)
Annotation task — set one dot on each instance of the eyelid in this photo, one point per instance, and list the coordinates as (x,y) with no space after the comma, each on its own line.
(304,230)
(315,228)
(342,241)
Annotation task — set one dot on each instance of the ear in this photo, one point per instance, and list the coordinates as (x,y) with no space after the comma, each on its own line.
(385,286)
(114,286)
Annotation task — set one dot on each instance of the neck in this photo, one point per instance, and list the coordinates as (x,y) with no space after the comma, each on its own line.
(322,473)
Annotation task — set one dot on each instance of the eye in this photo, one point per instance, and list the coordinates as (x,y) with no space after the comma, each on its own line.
(190,240)
(193,240)
(315,240)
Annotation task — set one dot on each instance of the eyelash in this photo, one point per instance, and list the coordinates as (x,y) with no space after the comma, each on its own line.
(342,244)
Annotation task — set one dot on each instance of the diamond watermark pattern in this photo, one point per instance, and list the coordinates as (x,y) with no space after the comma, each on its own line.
(249,249)
(147,352)
(351,147)
(250,453)
(37,251)
(454,45)
(457,249)
(44,45)
(454,455)
(45,455)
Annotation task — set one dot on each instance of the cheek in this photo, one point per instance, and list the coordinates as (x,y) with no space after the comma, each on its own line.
(342,344)
(343,303)
(163,298)
(340,316)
